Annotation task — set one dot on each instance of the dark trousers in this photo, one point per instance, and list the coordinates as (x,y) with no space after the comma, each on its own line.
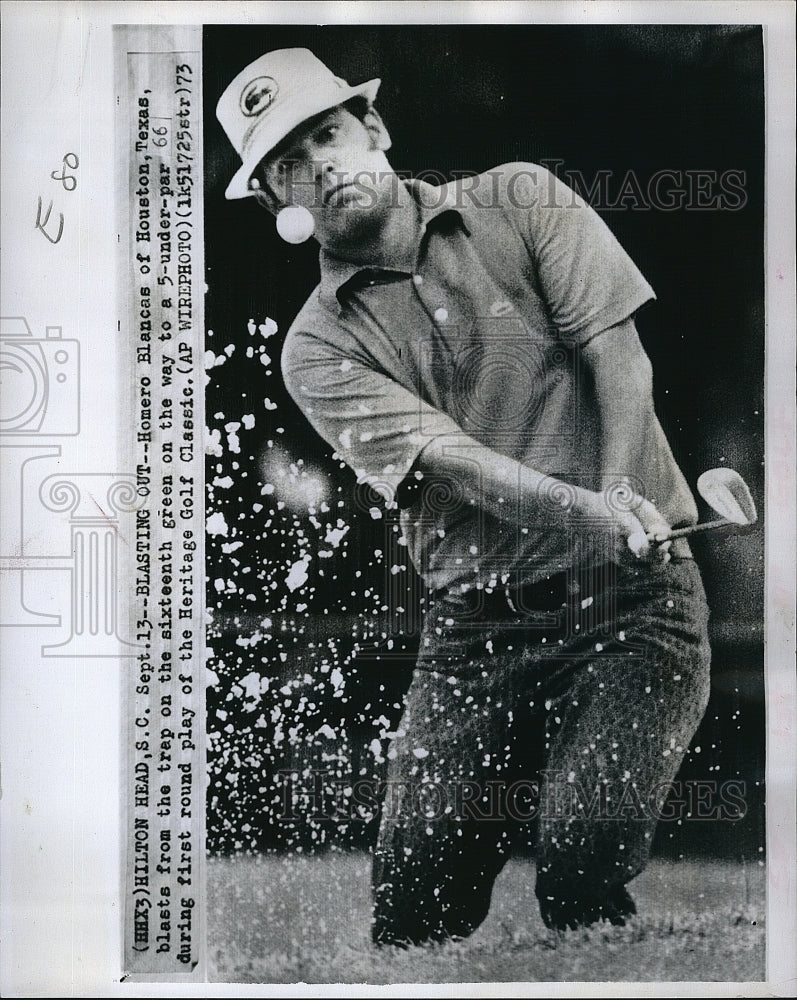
(569,704)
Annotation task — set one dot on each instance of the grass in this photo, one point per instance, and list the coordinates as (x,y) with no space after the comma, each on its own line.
(306,919)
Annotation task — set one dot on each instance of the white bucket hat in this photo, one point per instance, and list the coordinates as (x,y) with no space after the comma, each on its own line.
(273,95)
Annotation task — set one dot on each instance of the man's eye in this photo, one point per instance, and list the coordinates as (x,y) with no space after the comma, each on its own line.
(328,133)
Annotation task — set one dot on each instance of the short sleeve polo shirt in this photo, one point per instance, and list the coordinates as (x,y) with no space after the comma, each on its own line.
(478,337)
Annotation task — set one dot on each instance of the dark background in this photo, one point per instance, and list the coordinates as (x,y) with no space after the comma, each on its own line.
(463,99)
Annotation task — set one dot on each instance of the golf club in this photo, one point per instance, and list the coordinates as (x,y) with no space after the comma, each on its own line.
(727,493)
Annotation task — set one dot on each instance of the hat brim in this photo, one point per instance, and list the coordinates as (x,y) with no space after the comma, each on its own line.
(284,121)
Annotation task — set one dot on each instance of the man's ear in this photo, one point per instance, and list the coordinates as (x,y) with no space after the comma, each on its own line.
(380,137)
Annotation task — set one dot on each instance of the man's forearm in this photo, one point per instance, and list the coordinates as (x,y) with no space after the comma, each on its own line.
(514,492)
(624,404)
(501,486)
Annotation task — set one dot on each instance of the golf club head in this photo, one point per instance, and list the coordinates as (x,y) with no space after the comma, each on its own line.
(726,492)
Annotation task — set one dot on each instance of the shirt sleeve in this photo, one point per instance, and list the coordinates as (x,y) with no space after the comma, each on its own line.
(587,279)
(377,426)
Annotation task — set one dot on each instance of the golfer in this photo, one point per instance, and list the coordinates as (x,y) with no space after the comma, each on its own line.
(471,353)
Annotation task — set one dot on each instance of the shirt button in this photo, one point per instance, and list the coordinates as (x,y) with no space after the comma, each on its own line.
(417,279)
(441,314)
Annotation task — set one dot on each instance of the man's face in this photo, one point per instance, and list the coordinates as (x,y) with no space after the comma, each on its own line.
(336,168)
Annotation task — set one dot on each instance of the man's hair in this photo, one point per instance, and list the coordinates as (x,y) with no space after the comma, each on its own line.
(358,106)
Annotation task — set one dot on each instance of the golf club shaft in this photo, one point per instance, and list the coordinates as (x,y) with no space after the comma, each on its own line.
(695,529)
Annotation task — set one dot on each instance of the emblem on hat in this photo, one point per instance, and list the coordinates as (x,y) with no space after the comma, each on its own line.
(258,95)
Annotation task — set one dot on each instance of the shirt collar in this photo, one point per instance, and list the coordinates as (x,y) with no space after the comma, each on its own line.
(432,202)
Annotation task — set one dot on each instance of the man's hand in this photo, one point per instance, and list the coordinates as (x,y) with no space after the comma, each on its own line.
(632,520)
(488,478)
